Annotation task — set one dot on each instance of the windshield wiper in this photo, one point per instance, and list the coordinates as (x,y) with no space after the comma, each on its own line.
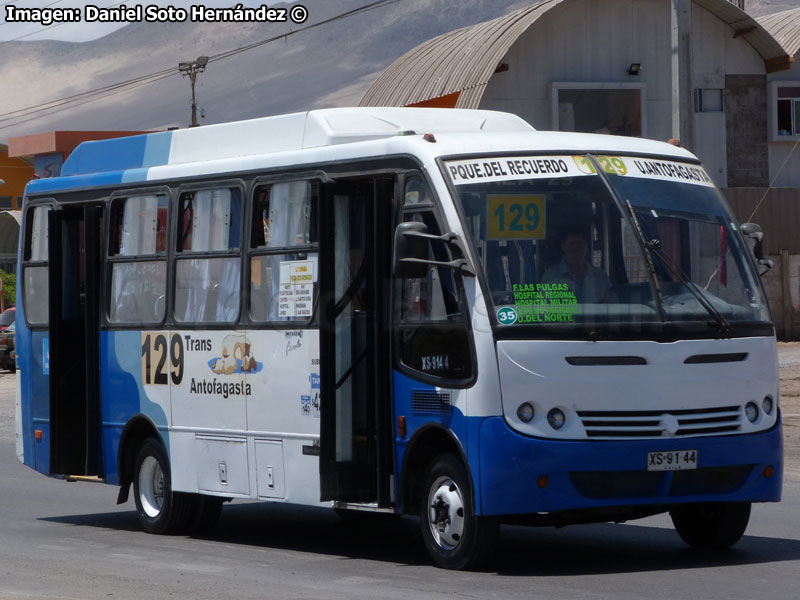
(658,296)
(654,245)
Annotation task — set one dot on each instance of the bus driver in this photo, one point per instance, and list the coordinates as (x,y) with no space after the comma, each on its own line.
(589,284)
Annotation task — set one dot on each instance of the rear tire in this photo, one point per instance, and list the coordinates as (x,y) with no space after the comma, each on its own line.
(711,526)
(160,510)
(455,537)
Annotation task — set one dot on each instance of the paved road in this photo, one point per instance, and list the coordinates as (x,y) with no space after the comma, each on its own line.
(70,540)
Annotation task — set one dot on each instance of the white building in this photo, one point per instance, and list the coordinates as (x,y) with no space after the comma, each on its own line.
(703,71)
(610,66)
(783,93)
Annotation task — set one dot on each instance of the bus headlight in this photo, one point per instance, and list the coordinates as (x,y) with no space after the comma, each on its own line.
(767,404)
(556,418)
(525,412)
(751,410)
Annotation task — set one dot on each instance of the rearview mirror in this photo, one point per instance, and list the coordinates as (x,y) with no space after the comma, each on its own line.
(411,260)
(753,235)
(410,250)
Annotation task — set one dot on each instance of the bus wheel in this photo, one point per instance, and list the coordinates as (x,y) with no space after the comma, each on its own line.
(711,526)
(454,536)
(159,509)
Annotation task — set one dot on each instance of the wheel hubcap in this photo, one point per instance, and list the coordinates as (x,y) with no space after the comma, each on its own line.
(446,513)
(151,487)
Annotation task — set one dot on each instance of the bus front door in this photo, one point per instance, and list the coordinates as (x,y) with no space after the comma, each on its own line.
(355,446)
(74,255)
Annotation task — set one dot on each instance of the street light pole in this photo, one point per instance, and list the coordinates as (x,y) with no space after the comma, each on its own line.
(192,69)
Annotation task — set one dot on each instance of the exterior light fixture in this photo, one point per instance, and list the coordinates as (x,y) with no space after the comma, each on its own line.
(635,69)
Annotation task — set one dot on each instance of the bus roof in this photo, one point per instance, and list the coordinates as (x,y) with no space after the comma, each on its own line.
(282,133)
(130,159)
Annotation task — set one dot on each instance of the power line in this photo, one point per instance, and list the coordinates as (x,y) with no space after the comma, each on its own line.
(55,106)
(350,13)
(49,27)
(121,91)
(13,2)
(82,95)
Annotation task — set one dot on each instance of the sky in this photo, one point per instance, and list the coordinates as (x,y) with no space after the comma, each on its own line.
(83,31)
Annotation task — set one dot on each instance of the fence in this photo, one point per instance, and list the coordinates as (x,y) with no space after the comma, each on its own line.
(777,210)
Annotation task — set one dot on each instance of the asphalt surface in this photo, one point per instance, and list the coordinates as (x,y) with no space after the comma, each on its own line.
(70,540)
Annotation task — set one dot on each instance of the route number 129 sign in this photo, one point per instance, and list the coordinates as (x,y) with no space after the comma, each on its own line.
(516,217)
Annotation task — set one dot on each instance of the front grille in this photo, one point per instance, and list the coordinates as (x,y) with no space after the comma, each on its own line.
(607,424)
(711,480)
(430,402)
(605,485)
(616,484)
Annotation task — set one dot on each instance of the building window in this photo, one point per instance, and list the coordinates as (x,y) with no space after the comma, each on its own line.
(612,108)
(708,100)
(788,108)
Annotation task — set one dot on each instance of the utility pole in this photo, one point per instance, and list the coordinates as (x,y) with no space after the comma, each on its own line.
(192,69)
(682,91)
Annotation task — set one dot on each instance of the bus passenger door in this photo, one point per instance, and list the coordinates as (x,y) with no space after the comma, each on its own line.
(355,445)
(74,254)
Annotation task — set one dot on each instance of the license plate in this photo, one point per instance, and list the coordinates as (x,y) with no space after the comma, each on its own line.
(676,460)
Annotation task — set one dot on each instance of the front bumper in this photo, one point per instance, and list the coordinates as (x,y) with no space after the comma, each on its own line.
(595,474)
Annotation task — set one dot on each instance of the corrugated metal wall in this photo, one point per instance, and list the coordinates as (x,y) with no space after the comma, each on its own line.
(778,215)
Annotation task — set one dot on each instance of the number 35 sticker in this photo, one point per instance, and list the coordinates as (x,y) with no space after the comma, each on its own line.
(516,216)
(506,316)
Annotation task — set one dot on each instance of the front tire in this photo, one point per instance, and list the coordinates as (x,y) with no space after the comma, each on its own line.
(160,510)
(455,537)
(711,526)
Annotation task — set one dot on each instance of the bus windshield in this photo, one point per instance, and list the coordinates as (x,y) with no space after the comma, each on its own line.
(649,241)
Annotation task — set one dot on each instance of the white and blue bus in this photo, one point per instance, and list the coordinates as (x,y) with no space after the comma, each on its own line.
(433,312)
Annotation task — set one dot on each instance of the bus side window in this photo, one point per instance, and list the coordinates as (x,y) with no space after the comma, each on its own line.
(36,280)
(284,252)
(431,326)
(207,271)
(137,255)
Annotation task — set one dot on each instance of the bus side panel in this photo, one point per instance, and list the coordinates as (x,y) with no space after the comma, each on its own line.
(423,405)
(37,382)
(25,430)
(39,361)
(123,395)
(34,384)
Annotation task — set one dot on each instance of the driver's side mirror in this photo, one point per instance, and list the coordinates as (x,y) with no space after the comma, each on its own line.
(410,250)
(411,260)
(753,236)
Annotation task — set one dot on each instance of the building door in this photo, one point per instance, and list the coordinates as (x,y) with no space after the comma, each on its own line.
(74,255)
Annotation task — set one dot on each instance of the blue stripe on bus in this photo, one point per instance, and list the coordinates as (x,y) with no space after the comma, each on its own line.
(453,420)
(119,154)
(123,395)
(59,184)
(156,150)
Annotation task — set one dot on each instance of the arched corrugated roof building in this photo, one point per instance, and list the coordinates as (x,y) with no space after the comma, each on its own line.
(785,28)
(459,65)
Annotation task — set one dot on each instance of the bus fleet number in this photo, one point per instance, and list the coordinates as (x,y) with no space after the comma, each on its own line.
(154,358)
